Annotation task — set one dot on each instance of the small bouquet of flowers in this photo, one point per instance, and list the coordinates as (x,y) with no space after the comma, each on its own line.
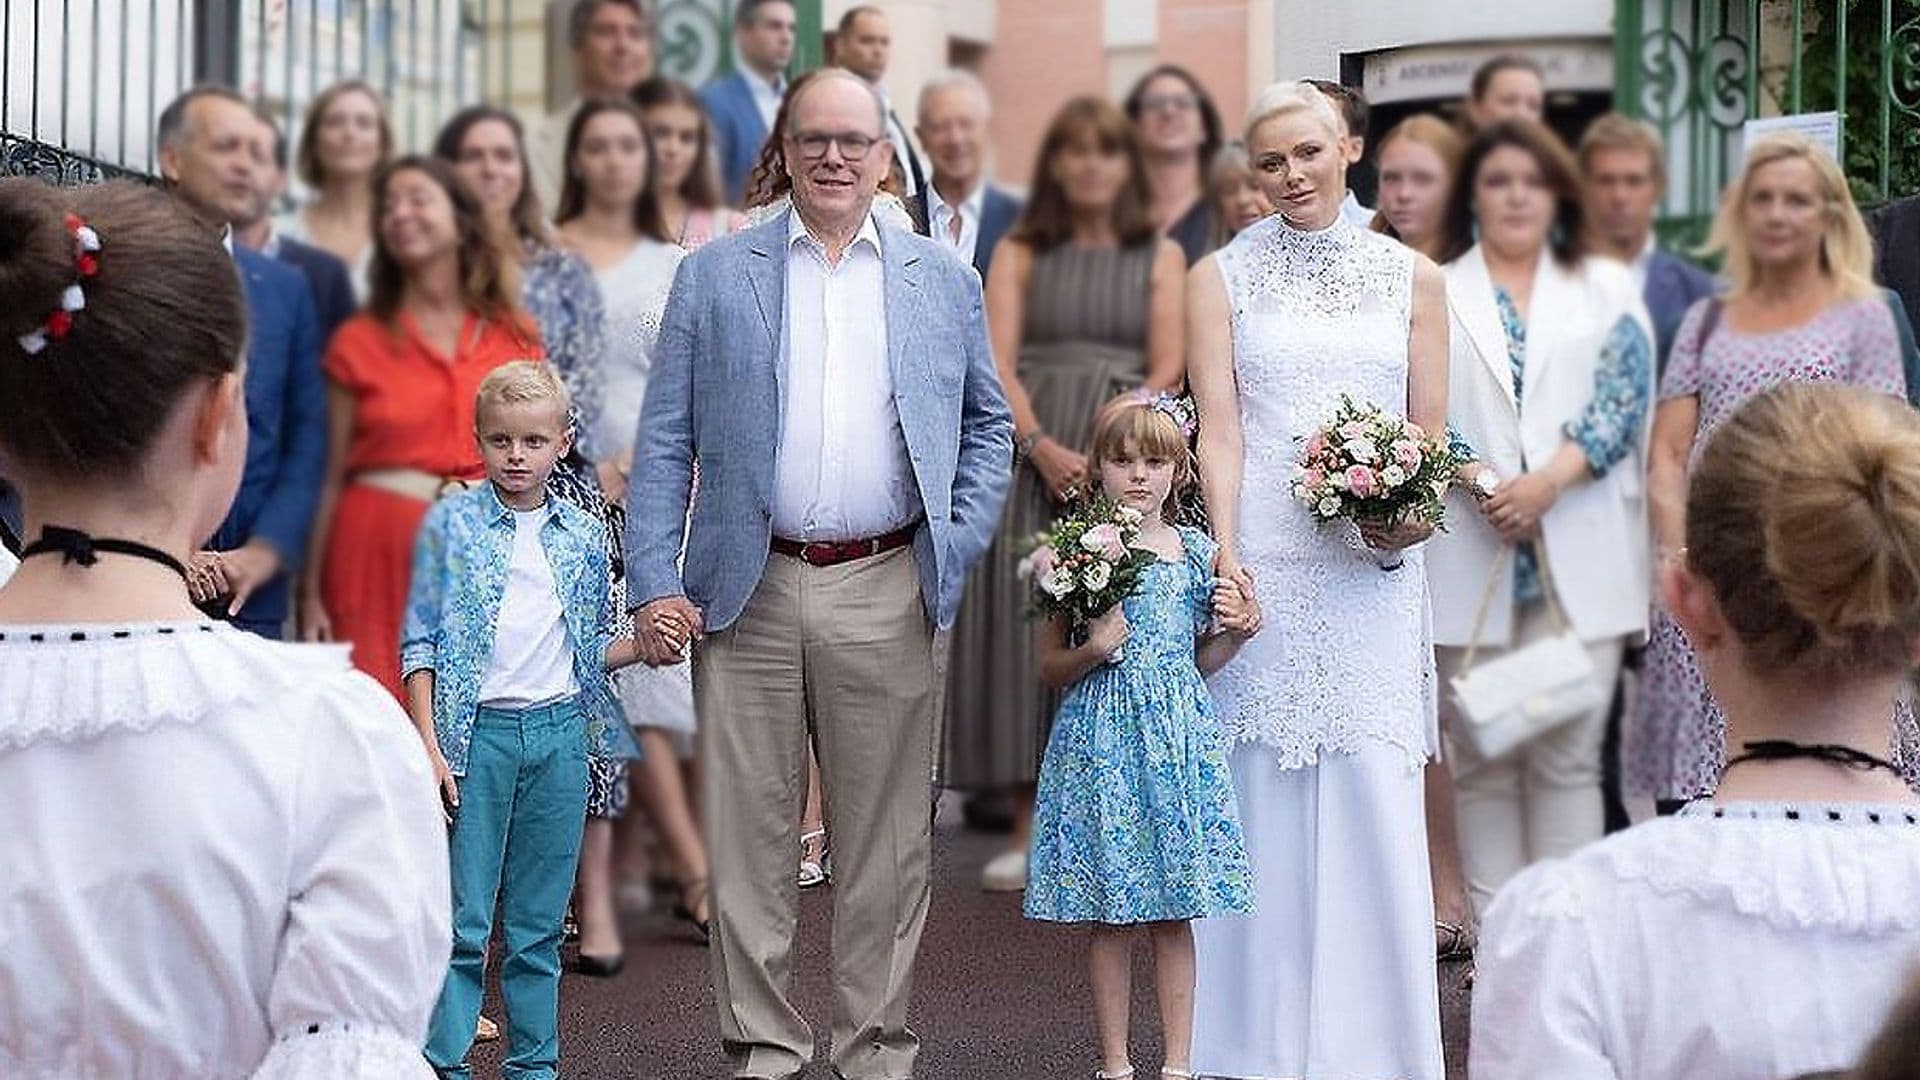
(1373,468)
(1085,563)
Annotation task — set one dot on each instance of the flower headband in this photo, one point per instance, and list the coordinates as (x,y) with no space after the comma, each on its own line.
(86,264)
(1177,407)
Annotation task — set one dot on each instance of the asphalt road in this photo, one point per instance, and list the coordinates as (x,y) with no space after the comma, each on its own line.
(996,996)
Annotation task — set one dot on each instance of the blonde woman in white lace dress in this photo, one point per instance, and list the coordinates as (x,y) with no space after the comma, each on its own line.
(1331,706)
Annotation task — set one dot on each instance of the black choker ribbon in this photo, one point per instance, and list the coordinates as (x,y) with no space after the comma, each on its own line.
(81,549)
(1846,757)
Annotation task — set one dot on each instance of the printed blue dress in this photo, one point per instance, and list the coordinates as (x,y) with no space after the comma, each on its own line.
(1136,818)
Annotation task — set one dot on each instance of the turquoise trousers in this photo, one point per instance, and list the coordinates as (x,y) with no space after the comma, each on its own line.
(515,840)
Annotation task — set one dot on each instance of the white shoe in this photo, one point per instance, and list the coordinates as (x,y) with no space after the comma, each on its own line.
(1005,872)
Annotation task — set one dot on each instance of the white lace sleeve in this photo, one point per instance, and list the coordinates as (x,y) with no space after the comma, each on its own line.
(364,950)
(1536,1011)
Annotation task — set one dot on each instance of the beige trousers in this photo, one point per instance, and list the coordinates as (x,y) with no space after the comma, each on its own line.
(1540,801)
(844,656)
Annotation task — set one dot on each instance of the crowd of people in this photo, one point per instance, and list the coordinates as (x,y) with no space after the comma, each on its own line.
(683,447)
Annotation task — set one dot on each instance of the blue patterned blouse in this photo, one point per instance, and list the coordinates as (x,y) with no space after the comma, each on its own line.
(1604,431)
(460,564)
(558,289)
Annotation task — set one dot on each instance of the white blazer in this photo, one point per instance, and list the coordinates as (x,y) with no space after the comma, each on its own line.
(1596,536)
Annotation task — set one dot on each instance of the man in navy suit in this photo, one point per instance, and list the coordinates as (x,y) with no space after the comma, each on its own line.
(964,212)
(1624,173)
(327,277)
(742,105)
(209,155)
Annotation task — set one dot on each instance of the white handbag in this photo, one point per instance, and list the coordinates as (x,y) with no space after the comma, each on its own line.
(1529,690)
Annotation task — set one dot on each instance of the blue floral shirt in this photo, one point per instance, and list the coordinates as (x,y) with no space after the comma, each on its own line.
(460,564)
(559,290)
(1604,431)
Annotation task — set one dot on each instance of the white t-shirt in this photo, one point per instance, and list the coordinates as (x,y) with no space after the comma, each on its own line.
(532,662)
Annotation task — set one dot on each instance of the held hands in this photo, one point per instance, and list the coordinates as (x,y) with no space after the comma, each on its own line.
(1235,610)
(1518,505)
(1063,471)
(665,627)
(1107,633)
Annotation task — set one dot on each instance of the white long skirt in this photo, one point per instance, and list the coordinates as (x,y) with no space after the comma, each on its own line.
(1334,976)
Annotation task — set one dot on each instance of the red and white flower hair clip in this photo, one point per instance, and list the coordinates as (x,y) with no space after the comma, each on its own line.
(73,299)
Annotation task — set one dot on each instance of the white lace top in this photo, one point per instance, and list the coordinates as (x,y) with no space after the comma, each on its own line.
(1346,660)
(1745,941)
(634,292)
(222,857)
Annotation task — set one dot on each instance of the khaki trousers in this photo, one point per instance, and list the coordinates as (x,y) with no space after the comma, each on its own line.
(841,655)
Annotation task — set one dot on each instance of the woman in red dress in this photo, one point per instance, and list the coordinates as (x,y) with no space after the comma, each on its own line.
(401,383)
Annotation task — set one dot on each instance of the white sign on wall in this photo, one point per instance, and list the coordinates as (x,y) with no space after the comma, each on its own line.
(1443,72)
(1822,127)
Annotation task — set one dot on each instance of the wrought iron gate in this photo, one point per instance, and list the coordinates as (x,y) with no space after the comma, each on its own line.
(1700,69)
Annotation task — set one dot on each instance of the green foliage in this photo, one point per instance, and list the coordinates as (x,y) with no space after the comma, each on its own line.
(1870,40)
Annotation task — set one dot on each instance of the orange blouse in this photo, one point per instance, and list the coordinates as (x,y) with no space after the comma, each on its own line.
(413,406)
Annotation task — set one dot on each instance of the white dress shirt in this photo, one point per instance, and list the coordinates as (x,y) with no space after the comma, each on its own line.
(1765,943)
(766,94)
(843,471)
(1644,261)
(532,661)
(940,219)
(223,857)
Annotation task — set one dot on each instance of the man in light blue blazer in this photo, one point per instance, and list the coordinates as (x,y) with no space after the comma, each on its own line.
(742,104)
(831,379)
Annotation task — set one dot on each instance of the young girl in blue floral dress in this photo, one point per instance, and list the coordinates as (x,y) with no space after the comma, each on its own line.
(1135,823)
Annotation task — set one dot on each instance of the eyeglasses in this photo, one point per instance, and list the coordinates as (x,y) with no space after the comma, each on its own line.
(853,145)
(1168,103)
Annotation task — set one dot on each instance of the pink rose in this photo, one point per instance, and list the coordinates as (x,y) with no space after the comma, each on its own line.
(1044,560)
(1407,453)
(1105,541)
(1313,478)
(1362,481)
(1316,444)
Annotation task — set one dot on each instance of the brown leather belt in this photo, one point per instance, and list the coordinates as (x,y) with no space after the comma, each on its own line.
(835,552)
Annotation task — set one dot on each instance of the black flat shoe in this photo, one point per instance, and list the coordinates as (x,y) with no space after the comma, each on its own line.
(599,967)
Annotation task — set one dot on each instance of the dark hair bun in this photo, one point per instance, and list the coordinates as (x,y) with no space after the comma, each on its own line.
(163,311)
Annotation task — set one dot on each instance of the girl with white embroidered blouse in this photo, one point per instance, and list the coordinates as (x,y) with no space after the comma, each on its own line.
(1766,930)
(223,855)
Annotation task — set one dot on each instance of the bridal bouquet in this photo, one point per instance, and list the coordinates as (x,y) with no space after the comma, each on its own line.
(1373,468)
(1086,563)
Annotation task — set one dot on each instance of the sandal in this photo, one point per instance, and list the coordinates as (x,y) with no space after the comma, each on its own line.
(1168,1072)
(1453,941)
(695,895)
(815,869)
(1123,1074)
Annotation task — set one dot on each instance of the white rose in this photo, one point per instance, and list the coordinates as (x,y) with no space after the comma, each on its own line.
(1058,583)
(1329,507)
(1129,516)
(1361,450)
(1096,576)
(1393,476)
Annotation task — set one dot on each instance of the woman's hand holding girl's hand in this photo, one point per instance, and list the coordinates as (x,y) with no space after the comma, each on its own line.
(1234,608)
(1063,471)
(1108,632)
